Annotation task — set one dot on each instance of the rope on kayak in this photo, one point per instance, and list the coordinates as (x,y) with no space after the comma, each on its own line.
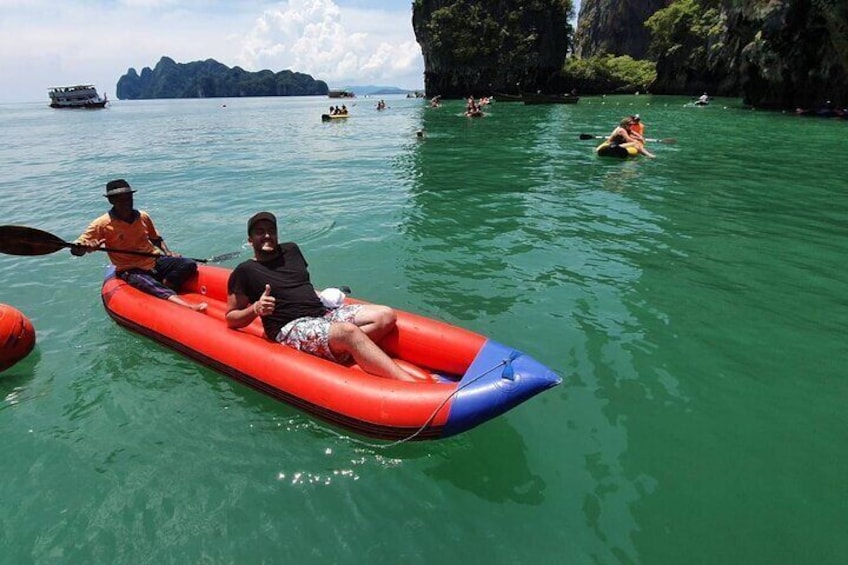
(505,362)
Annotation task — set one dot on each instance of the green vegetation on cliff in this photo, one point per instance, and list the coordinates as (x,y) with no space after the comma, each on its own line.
(609,74)
(776,53)
(211,79)
(689,43)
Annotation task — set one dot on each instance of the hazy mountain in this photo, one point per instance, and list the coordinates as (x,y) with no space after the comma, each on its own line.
(372,90)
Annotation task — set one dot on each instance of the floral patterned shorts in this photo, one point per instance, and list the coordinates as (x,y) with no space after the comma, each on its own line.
(312,335)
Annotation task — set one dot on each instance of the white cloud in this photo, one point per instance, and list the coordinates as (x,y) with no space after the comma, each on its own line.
(339,46)
(45,44)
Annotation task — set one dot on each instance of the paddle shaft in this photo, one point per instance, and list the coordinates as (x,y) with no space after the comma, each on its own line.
(669,140)
(22,240)
(131,252)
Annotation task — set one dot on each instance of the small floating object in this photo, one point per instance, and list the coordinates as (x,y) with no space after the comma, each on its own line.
(17,336)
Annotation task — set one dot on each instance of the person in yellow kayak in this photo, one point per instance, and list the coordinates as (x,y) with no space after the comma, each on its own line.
(622,136)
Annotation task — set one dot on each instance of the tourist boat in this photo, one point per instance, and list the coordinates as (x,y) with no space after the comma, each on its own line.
(606,149)
(825,112)
(501,97)
(79,96)
(468,380)
(341,94)
(536,98)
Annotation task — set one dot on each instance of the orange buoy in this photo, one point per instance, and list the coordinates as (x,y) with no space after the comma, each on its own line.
(17,336)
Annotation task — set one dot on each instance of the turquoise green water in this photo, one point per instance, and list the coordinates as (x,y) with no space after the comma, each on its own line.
(695,305)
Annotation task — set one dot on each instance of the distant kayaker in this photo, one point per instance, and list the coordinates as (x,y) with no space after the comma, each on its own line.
(621,137)
(703,99)
(124,227)
(275,286)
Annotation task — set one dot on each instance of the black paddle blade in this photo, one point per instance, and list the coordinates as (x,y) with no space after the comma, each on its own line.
(21,240)
(587,136)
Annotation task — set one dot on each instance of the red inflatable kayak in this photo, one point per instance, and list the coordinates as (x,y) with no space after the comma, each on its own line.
(17,336)
(474,379)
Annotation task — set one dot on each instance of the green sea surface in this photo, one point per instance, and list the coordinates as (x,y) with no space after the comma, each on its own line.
(695,305)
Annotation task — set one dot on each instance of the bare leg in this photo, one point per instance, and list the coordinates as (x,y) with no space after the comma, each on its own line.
(196,307)
(348,338)
(376,321)
(641,148)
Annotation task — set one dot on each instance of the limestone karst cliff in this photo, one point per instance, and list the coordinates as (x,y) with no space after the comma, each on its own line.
(797,55)
(485,46)
(615,27)
(777,54)
(211,79)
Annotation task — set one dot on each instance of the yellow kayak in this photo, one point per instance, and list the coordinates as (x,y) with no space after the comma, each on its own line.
(328,117)
(605,149)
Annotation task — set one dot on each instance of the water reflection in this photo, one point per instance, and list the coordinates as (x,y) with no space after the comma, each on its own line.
(511,220)
(14,380)
(493,465)
(468,203)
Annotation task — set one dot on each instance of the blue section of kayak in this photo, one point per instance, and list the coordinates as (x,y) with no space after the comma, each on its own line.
(489,388)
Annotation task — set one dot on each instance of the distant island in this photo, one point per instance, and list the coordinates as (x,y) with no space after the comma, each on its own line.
(372,90)
(211,79)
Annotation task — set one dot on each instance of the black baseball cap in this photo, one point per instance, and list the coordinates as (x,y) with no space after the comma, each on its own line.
(261,216)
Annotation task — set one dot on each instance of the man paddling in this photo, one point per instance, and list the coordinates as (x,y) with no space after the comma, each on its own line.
(124,227)
(275,286)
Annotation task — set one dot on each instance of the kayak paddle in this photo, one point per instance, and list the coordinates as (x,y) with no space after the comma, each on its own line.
(21,240)
(668,140)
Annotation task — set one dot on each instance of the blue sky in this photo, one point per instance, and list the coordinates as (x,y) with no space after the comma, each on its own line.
(343,42)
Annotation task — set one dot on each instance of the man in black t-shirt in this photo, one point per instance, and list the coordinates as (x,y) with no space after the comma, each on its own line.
(275,285)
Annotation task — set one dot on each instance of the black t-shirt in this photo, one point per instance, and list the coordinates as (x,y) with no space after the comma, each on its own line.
(290,286)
